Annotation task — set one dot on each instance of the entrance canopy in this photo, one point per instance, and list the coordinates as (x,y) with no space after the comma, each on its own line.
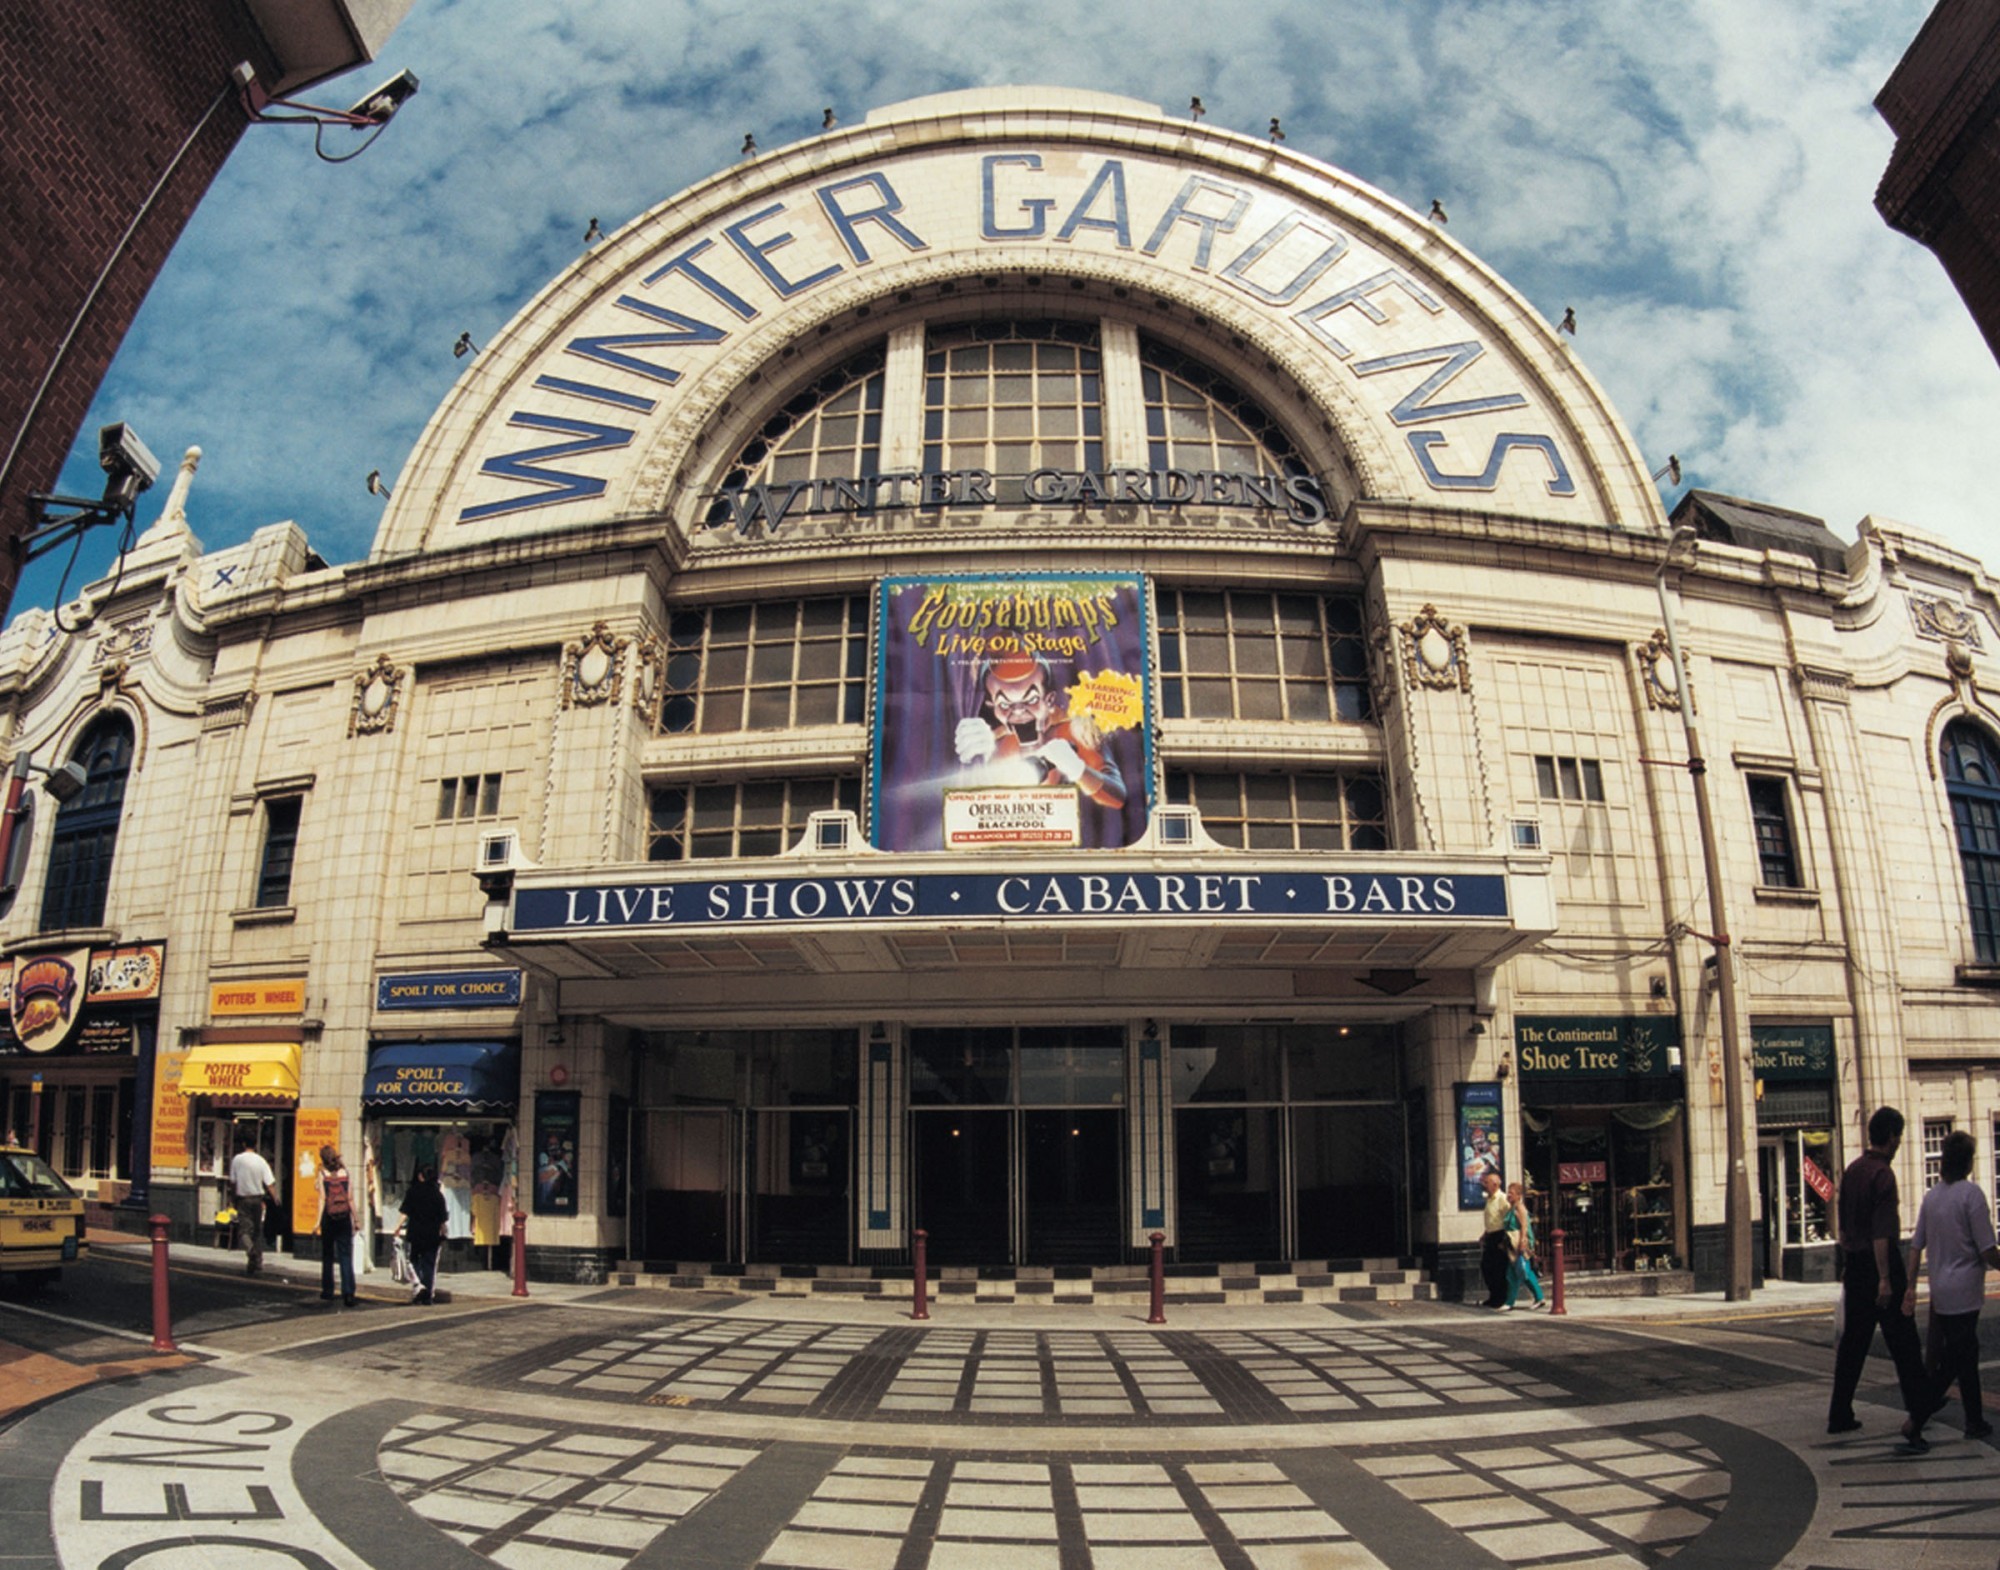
(464,1076)
(264,1072)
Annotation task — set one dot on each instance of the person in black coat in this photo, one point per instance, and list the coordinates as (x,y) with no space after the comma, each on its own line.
(423,1224)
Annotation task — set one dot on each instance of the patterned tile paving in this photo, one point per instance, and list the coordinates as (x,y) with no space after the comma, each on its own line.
(1601,1500)
(1023,1375)
(578,1498)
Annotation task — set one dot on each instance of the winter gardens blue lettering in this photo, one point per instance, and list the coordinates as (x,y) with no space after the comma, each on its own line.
(864,214)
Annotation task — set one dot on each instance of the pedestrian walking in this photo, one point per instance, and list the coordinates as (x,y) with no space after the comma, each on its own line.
(1873,1288)
(1955,1224)
(253,1181)
(424,1224)
(1496,1253)
(336,1225)
(1521,1241)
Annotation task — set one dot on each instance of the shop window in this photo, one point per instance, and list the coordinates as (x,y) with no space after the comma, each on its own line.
(1972,781)
(86,829)
(1281,657)
(1287,811)
(463,798)
(1935,1130)
(769,666)
(831,429)
(281,839)
(1196,419)
(1777,862)
(718,821)
(1011,397)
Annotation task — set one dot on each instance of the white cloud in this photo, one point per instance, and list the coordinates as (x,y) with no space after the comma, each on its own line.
(1694,177)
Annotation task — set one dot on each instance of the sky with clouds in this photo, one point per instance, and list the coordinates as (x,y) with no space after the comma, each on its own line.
(1693,177)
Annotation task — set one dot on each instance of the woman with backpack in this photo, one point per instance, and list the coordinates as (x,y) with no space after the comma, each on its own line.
(336,1225)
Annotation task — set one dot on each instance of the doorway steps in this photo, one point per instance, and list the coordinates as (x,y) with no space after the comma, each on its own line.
(1293,1281)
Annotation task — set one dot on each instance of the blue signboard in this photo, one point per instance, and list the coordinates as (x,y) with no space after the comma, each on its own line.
(1199,894)
(450,989)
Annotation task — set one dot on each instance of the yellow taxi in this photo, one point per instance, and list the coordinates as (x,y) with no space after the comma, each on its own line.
(41,1217)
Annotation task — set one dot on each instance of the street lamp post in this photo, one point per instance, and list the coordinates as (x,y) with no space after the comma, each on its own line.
(1736,1200)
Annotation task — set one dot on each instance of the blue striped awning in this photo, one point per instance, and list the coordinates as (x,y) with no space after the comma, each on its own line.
(460,1076)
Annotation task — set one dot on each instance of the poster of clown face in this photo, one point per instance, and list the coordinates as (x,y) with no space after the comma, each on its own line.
(1011,714)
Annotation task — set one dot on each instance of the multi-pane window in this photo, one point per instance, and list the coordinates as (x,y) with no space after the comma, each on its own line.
(831,429)
(1250,656)
(1777,861)
(1196,419)
(1011,397)
(86,829)
(463,797)
(1287,811)
(281,840)
(769,666)
(1568,779)
(1972,780)
(1935,1130)
(714,821)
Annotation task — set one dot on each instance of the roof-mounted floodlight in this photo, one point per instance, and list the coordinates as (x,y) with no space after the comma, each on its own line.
(370,112)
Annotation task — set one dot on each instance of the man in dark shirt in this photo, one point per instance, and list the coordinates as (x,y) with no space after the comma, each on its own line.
(1871,1236)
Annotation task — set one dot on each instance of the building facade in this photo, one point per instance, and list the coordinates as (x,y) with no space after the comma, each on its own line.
(1045,675)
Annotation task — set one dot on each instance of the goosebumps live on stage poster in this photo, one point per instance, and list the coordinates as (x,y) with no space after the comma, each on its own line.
(1011,714)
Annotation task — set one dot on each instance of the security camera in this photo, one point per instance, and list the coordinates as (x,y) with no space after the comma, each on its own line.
(385,100)
(120,452)
(499,859)
(66,781)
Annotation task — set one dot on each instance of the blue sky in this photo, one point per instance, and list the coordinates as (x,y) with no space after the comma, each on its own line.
(1693,177)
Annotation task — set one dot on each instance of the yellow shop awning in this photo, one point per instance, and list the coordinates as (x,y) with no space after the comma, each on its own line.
(243,1071)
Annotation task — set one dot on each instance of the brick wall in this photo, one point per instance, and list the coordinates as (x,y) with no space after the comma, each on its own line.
(99,100)
(1942,185)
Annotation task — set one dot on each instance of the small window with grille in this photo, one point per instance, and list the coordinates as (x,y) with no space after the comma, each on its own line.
(742,818)
(1770,814)
(1249,656)
(769,666)
(1287,811)
(464,797)
(1935,1130)
(281,840)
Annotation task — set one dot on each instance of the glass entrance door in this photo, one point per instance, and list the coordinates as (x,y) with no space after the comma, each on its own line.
(1017,1144)
(686,1187)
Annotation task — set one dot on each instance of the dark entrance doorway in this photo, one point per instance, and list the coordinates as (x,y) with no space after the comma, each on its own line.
(962,1161)
(1073,1200)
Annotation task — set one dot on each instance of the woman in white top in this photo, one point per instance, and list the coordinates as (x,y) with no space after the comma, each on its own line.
(1957,1228)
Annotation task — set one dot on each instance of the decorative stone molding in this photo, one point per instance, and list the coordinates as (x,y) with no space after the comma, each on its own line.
(1655,659)
(111,677)
(1434,652)
(227,713)
(649,666)
(592,669)
(120,643)
(378,694)
(1964,697)
(1944,621)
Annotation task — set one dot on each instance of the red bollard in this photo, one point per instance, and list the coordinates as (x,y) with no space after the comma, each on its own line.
(163,1320)
(1556,1260)
(921,1308)
(520,1253)
(1158,1316)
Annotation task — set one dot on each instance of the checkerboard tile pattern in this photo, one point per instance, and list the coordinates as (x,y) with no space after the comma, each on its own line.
(546,1497)
(1602,1500)
(712,1360)
(1315,1372)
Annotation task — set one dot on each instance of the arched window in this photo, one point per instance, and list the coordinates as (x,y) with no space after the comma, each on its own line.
(86,829)
(1011,397)
(1972,780)
(1198,419)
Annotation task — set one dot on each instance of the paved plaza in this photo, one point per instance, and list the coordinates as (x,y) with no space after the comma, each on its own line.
(595,1430)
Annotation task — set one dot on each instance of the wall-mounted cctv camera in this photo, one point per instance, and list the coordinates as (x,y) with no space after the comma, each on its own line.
(66,781)
(386,99)
(499,859)
(119,450)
